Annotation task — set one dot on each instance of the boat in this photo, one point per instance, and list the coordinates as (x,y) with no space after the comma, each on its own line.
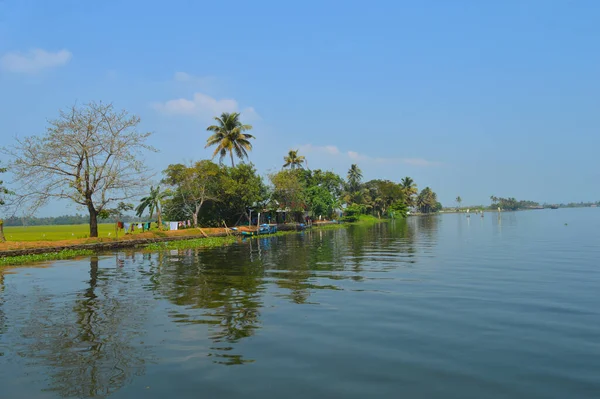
(262,229)
(553,206)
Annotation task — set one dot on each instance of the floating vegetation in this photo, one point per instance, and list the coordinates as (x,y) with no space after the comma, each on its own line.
(64,254)
(209,242)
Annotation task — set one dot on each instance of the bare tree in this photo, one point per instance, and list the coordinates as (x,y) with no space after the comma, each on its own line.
(90,154)
(3,192)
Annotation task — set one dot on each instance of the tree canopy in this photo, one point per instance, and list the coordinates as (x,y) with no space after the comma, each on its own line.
(193,185)
(293,160)
(427,201)
(229,137)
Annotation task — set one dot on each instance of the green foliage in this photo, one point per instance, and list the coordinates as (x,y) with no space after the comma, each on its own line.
(352,212)
(64,254)
(427,201)
(153,202)
(399,209)
(240,188)
(208,242)
(410,191)
(194,186)
(511,204)
(354,178)
(379,195)
(289,190)
(229,194)
(228,136)
(320,201)
(293,160)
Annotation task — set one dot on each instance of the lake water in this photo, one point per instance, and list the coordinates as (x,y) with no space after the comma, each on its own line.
(432,307)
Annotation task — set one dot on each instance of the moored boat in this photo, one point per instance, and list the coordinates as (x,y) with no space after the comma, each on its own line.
(262,229)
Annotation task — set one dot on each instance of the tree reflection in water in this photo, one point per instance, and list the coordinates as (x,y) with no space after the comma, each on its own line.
(222,294)
(92,346)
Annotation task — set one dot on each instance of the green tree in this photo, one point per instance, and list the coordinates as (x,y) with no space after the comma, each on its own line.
(398,209)
(352,212)
(153,202)
(320,201)
(381,194)
(293,160)
(228,135)
(354,178)
(193,185)
(410,190)
(289,190)
(317,183)
(240,188)
(427,201)
(90,155)
(458,201)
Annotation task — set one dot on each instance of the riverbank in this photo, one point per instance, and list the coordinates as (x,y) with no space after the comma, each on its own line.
(24,251)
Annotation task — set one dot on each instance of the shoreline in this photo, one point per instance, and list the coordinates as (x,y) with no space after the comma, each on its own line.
(24,248)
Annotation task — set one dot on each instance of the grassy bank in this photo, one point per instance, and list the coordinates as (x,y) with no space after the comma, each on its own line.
(23,259)
(55,232)
(22,252)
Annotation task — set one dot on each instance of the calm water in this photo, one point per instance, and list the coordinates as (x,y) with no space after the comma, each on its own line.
(431,307)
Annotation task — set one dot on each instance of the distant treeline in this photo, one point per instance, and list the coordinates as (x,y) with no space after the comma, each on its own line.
(579,204)
(63,220)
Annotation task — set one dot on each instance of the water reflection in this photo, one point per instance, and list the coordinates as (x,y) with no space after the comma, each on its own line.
(225,295)
(91,347)
(91,340)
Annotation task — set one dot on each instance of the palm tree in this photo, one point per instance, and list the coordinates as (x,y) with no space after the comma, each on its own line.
(458,200)
(153,202)
(229,137)
(293,160)
(427,200)
(354,177)
(410,190)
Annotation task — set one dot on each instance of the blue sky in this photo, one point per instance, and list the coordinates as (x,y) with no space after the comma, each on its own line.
(471,98)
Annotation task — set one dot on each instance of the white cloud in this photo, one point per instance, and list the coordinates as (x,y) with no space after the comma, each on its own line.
(355,156)
(203,105)
(358,157)
(34,61)
(182,77)
(327,149)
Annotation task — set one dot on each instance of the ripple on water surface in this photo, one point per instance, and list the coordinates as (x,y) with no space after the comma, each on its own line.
(504,306)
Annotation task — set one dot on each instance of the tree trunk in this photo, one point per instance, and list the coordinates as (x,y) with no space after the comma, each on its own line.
(197,211)
(232,163)
(2,238)
(159,217)
(93,221)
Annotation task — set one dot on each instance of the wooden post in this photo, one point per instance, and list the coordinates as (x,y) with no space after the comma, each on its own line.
(226,228)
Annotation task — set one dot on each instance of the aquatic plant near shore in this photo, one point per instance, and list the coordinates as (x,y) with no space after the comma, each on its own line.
(64,254)
(209,242)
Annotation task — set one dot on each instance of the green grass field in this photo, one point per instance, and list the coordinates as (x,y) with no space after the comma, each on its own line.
(55,233)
